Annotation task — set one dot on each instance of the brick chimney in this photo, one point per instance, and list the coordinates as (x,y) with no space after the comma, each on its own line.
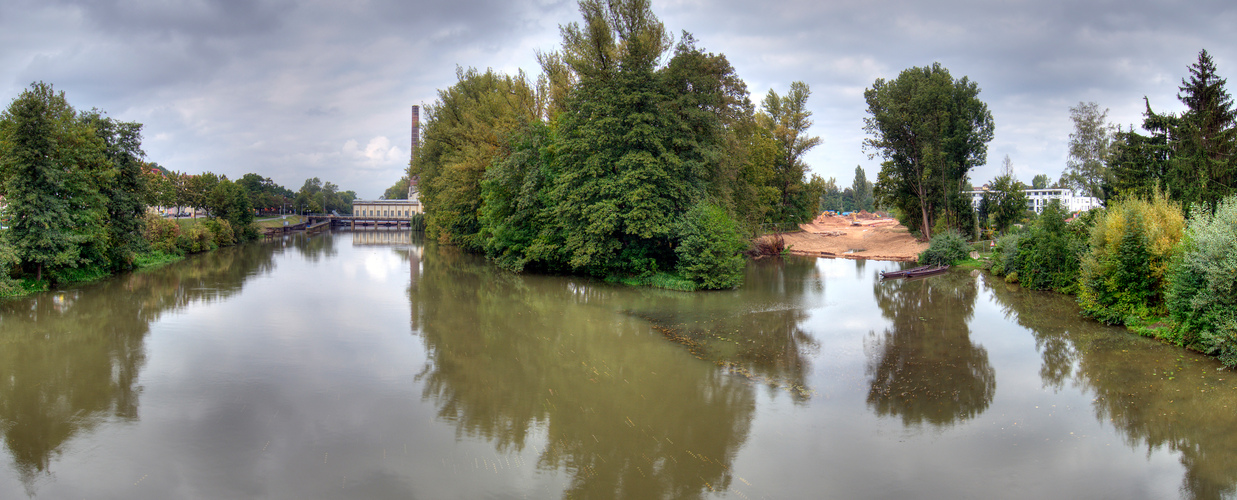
(416,132)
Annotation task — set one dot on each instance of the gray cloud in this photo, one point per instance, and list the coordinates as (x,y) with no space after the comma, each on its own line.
(321,89)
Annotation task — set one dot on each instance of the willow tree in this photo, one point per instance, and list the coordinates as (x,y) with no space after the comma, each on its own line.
(931,130)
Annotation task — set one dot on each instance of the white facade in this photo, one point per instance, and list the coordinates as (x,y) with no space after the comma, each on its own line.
(1037,199)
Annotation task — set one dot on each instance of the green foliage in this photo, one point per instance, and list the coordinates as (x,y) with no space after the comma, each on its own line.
(398,191)
(1040,181)
(946,248)
(1087,171)
(1202,295)
(52,167)
(1049,254)
(161,234)
(1122,277)
(931,130)
(1005,203)
(1190,155)
(657,280)
(198,238)
(221,232)
(710,249)
(229,203)
(1005,256)
(126,192)
(463,136)
(8,263)
(156,258)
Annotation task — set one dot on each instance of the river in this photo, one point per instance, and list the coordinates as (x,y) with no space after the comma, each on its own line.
(371,364)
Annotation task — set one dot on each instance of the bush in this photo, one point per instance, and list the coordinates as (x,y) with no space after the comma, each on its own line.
(1050,254)
(161,234)
(1202,294)
(945,249)
(221,232)
(1122,277)
(710,250)
(1005,255)
(196,239)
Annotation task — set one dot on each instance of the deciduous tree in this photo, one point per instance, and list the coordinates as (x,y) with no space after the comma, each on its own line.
(1090,147)
(931,131)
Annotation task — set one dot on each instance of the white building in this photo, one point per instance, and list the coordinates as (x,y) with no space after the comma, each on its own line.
(1037,199)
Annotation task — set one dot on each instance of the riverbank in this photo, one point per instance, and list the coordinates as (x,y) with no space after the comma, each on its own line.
(860,236)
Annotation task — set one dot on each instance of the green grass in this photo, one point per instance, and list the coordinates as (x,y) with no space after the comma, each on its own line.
(278,222)
(156,258)
(658,280)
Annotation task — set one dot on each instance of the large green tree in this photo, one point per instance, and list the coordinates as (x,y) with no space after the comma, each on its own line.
(787,119)
(931,130)
(463,135)
(51,165)
(126,189)
(1005,201)
(1090,147)
(1192,155)
(1203,168)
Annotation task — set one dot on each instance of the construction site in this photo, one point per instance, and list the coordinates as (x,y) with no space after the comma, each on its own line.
(855,235)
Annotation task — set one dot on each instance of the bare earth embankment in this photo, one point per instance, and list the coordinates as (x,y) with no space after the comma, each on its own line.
(863,236)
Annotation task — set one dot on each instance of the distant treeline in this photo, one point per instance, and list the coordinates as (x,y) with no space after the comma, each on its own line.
(633,157)
(79,197)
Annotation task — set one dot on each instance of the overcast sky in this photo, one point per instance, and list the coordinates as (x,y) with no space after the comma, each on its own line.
(323,88)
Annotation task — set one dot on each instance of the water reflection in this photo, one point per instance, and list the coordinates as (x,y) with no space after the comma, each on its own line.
(757,332)
(69,360)
(508,359)
(924,367)
(1157,395)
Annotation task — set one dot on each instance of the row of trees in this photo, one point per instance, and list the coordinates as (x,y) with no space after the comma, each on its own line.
(72,182)
(851,199)
(631,156)
(76,190)
(1190,155)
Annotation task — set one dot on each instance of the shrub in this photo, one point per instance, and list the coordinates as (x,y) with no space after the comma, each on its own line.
(1202,294)
(8,263)
(1049,254)
(945,249)
(710,250)
(1005,255)
(1122,277)
(221,232)
(161,234)
(196,239)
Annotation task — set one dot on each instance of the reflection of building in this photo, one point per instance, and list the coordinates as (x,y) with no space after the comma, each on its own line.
(385,208)
(1037,199)
(397,237)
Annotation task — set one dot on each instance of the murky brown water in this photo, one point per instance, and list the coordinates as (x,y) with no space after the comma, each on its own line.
(369,365)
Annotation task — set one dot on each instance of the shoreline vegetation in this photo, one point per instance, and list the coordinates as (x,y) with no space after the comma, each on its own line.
(79,202)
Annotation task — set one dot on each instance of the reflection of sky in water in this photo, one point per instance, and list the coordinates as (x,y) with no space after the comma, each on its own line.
(311,384)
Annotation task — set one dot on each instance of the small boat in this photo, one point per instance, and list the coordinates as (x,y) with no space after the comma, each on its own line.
(931,271)
(902,273)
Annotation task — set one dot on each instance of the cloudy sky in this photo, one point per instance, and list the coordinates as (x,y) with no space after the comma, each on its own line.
(323,88)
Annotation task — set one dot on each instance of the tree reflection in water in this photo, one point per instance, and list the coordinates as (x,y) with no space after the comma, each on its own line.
(924,367)
(69,360)
(765,343)
(1157,395)
(510,355)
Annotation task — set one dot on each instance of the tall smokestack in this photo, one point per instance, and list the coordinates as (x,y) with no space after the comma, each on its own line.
(416,132)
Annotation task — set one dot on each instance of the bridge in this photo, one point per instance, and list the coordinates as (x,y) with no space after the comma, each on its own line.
(315,223)
(362,221)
